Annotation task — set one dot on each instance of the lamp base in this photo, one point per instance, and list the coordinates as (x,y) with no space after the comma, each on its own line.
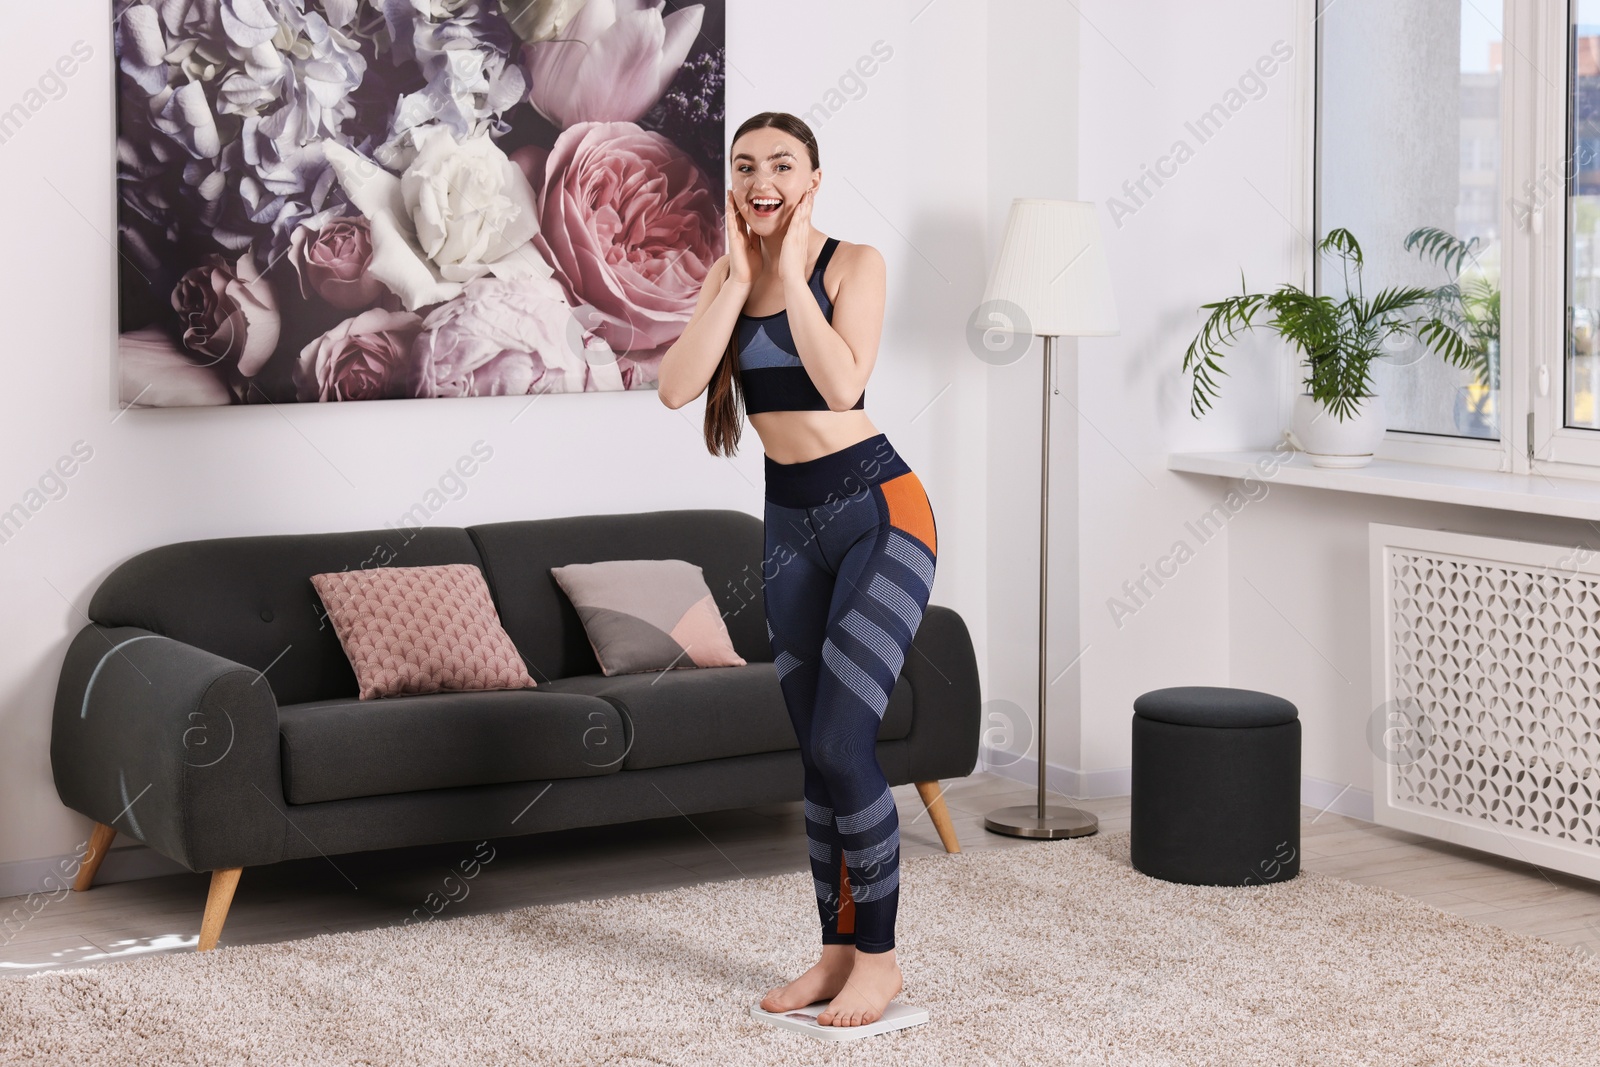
(1023,821)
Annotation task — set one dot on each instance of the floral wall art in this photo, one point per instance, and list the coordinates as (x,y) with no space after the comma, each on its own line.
(381,199)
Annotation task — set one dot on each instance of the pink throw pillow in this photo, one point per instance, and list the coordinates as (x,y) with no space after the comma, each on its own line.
(648,615)
(410,630)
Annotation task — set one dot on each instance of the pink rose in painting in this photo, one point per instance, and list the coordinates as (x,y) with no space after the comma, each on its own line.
(334,263)
(364,358)
(501,338)
(632,227)
(229,314)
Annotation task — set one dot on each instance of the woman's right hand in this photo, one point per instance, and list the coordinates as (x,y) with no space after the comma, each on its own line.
(744,247)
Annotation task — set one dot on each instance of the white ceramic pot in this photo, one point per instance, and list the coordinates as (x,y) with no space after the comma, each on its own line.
(1331,442)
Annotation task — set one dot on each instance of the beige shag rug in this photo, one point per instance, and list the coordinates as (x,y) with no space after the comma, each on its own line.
(1051,953)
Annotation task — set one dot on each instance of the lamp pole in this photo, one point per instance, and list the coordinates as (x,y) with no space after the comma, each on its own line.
(1043,821)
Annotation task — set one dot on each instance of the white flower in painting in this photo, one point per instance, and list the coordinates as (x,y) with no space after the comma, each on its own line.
(503,338)
(466,205)
(613,62)
(249,91)
(184,115)
(304,63)
(540,20)
(142,48)
(464,49)
(156,373)
(459,212)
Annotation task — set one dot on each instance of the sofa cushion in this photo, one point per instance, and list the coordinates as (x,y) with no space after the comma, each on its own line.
(673,717)
(420,630)
(337,749)
(517,557)
(249,599)
(648,615)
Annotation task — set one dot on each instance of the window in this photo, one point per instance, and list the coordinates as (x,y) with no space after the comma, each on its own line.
(1409,109)
(1460,143)
(1583,213)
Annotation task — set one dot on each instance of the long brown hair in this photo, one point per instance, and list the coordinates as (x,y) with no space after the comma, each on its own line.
(725,400)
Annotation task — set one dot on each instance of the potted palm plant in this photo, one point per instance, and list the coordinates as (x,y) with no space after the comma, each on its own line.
(1338,338)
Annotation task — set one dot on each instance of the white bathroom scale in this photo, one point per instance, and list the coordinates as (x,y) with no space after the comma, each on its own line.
(896,1016)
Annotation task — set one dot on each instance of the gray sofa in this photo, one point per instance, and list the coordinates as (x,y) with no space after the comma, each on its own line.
(209,711)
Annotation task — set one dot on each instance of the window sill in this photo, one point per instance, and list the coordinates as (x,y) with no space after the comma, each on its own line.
(1530,494)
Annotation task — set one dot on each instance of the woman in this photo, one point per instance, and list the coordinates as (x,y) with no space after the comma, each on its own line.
(788,324)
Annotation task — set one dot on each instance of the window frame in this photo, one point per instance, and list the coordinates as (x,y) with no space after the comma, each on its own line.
(1533,113)
(1556,449)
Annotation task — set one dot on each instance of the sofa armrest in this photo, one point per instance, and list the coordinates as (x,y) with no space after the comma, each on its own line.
(947,712)
(170,745)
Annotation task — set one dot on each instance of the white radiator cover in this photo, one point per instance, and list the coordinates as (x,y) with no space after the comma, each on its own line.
(1486,660)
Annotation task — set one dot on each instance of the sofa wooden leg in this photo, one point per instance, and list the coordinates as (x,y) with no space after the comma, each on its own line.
(933,799)
(99,844)
(224,881)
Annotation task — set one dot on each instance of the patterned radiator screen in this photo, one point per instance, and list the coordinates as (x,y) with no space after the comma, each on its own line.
(1486,666)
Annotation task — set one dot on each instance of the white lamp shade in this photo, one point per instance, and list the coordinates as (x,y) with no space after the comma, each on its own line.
(1052,266)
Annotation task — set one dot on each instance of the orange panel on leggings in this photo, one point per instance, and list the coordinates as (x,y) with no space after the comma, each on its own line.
(909,508)
(847,910)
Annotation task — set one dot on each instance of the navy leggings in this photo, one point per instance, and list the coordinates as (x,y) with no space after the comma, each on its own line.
(850,553)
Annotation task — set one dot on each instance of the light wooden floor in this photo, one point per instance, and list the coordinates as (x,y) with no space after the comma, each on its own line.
(304,897)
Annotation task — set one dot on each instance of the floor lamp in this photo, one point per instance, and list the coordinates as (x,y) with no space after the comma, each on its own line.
(1050,281)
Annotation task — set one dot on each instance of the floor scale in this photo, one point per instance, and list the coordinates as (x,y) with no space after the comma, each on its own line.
(896,1016)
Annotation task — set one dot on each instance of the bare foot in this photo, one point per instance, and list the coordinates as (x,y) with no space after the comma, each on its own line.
(821,982)
(874,982)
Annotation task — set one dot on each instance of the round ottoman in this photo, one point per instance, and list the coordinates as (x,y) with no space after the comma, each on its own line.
(1216,786)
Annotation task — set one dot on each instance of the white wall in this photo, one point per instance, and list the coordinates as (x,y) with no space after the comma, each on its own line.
(1145,78)
(1032,152)
(904,169)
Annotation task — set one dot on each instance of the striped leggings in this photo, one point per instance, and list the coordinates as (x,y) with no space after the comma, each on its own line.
(850,554)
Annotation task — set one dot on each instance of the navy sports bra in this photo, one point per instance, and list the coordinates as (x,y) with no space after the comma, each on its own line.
(770,371)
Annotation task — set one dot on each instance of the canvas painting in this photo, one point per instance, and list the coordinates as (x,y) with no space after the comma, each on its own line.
(338,200)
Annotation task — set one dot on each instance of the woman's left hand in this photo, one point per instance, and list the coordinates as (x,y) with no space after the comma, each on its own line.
(796,242)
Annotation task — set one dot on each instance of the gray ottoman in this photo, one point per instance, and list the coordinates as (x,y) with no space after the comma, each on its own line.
(1216,786)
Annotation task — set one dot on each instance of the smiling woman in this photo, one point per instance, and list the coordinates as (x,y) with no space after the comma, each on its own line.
(788,324)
